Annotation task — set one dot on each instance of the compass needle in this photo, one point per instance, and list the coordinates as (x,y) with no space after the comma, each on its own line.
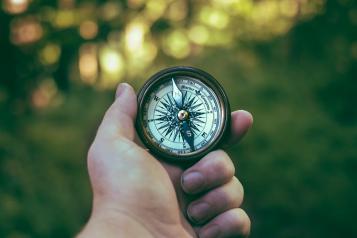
(188,135)
(176,94)
(184,97)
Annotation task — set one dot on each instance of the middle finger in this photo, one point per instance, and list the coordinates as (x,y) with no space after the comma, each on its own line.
(216,201)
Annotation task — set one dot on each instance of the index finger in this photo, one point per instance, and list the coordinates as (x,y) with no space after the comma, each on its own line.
(241,121)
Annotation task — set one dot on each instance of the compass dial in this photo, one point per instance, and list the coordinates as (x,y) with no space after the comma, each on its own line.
(164,119)
(181,115)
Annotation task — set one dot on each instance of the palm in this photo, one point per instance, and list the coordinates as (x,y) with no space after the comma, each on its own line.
(175,173)
(166,191)
(140,176)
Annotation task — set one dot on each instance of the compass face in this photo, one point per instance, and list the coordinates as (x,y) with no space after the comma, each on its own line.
(181,114)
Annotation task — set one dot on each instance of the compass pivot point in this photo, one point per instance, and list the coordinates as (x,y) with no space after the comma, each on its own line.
(183,115)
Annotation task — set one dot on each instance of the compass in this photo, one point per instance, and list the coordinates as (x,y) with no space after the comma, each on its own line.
(183,113)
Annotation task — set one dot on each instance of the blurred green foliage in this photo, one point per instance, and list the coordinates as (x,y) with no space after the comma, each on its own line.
(295,70)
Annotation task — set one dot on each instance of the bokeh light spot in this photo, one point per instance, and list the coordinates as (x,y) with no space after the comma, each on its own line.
(155,8)
(50,54)
(44,94)
(177,10)
(134,36)
(88,30)
(110,10)
(15,6)
(138,61)
(64,18)
(176,44)
(25,31)
(214,17)
(242,7)
(88,63)
(199,34)
(112,64)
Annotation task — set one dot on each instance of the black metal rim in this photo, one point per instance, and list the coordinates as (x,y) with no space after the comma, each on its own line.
(207,79)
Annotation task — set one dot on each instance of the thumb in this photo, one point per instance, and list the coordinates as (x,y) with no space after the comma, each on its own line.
(119,119)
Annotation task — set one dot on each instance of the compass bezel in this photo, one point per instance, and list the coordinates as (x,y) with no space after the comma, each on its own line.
(207,79)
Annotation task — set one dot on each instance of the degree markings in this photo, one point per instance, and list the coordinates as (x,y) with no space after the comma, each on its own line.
(164,130)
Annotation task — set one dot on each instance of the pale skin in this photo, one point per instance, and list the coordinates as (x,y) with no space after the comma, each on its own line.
(138,195)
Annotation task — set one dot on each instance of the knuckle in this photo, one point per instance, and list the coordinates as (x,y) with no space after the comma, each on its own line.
(238,187)
(241,222)
(227,197)
(234,193)
(223,164)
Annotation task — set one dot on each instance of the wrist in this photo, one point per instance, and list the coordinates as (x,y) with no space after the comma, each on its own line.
(113,225)
(109,221)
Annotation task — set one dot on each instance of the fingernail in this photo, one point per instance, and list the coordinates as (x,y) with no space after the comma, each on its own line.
(121,88)
(211,231)
(198,212)
(192,182)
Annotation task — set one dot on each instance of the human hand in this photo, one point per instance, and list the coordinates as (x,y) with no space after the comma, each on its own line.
(137,195)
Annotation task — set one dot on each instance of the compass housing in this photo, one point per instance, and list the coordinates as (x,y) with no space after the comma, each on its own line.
(183,71)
